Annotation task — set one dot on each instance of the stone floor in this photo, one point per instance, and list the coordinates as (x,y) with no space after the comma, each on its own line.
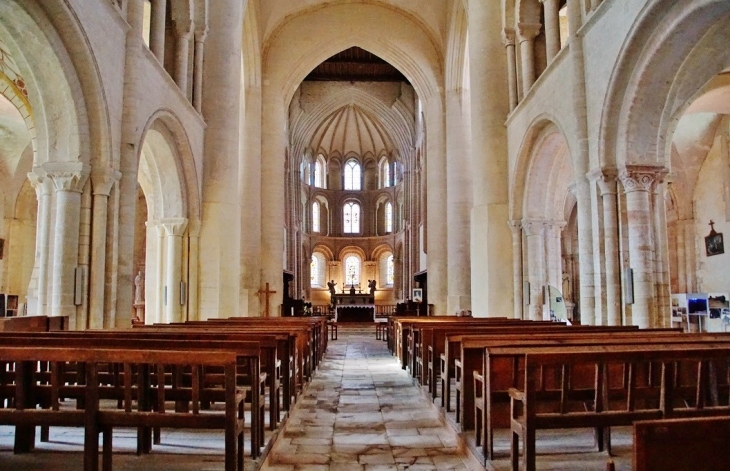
(360,412)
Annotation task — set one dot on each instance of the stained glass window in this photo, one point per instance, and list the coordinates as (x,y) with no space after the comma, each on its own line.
(351,220)
(390,277)
(352,175)
(388,217)
(352,270)
(315,217)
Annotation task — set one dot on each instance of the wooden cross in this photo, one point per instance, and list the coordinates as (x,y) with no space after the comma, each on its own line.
(267,293)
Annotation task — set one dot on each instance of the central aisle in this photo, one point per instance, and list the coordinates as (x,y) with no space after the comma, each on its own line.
(361,411)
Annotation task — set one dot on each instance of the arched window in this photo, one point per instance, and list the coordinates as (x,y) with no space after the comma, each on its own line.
(352,175)
(315,217)
(352,270)
(390,271)
(384,173)
(388,217)
(351,220)
(317,270)
(319,173)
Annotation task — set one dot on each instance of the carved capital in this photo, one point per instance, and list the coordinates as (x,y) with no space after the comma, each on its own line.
(528,31)
(533,227)
(201,35)
(103,180)
(184,29)
(606,179)
(641,177)
(40,182)
(67,176)
(508,37)
(515,226)
(174,226)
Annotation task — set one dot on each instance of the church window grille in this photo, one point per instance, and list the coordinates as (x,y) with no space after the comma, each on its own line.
(351,218)
(352,175)
(317,270)
(319,173)
(390,277)
(352,270)
(316,219)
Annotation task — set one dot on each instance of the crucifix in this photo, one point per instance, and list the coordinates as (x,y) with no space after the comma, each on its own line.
(266,292)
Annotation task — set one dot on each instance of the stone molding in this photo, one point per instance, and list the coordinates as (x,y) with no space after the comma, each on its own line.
(184,29)
(67,176)
(641,177)
(42,185)
(606,179)
(533,227)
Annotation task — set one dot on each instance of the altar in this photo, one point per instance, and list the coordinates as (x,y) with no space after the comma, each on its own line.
(354,307)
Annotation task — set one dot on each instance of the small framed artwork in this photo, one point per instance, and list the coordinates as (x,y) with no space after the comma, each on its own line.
(417,295)
(2,248)
(714,244)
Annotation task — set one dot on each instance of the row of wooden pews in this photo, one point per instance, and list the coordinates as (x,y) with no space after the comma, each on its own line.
(198,375)
(527,376)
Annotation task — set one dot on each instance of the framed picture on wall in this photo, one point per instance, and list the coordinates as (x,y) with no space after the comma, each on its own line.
(417,295)
(714,244)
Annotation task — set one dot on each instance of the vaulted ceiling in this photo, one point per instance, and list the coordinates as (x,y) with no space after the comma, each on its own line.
(356,65)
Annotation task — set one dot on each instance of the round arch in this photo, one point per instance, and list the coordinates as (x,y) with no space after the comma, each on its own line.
(659,71)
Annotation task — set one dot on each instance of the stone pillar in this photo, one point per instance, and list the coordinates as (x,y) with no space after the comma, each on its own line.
(581,163)
(183,34)
(508,38)
(193,275)
(553,231)
(595,4)
(535,232)
(101,182)
(250,178)
(516,227)
(663,304)
(44,188)
(458,200)
(637,182)
(552,28)
(220,238)
(199,51)
(526,34)
(606,180)
(174,230)
(69,179)
(491,240)
(159,276)
(157,29)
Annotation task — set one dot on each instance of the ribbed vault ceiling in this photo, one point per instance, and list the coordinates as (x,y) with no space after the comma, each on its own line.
(351,129)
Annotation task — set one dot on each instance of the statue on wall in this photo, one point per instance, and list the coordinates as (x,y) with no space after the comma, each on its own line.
(567,288)
(372,284)
(139,288)
(331,285)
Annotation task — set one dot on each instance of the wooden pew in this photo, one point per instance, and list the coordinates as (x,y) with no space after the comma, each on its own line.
(684,379)
(96,419)
(680,444)
(139,343)
(33,323)
(499,372)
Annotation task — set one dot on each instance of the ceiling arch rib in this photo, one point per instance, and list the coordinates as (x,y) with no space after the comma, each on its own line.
(351,129)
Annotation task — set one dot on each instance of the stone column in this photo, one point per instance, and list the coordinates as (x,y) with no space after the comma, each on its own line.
(663,305)
(516,227)
(69,179)
(183,34)
(159,276)
(199,51)
(508,38)
(174,230)
(157,29)
(250,182)
(526,33)
(220,235)
(491,240)
(581,164)
(553,231)
(458,200)
(637,181)
(595,4)
(552,28)
(535,232)
(101,183)
(606,180)
(44,188)
(193,276)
